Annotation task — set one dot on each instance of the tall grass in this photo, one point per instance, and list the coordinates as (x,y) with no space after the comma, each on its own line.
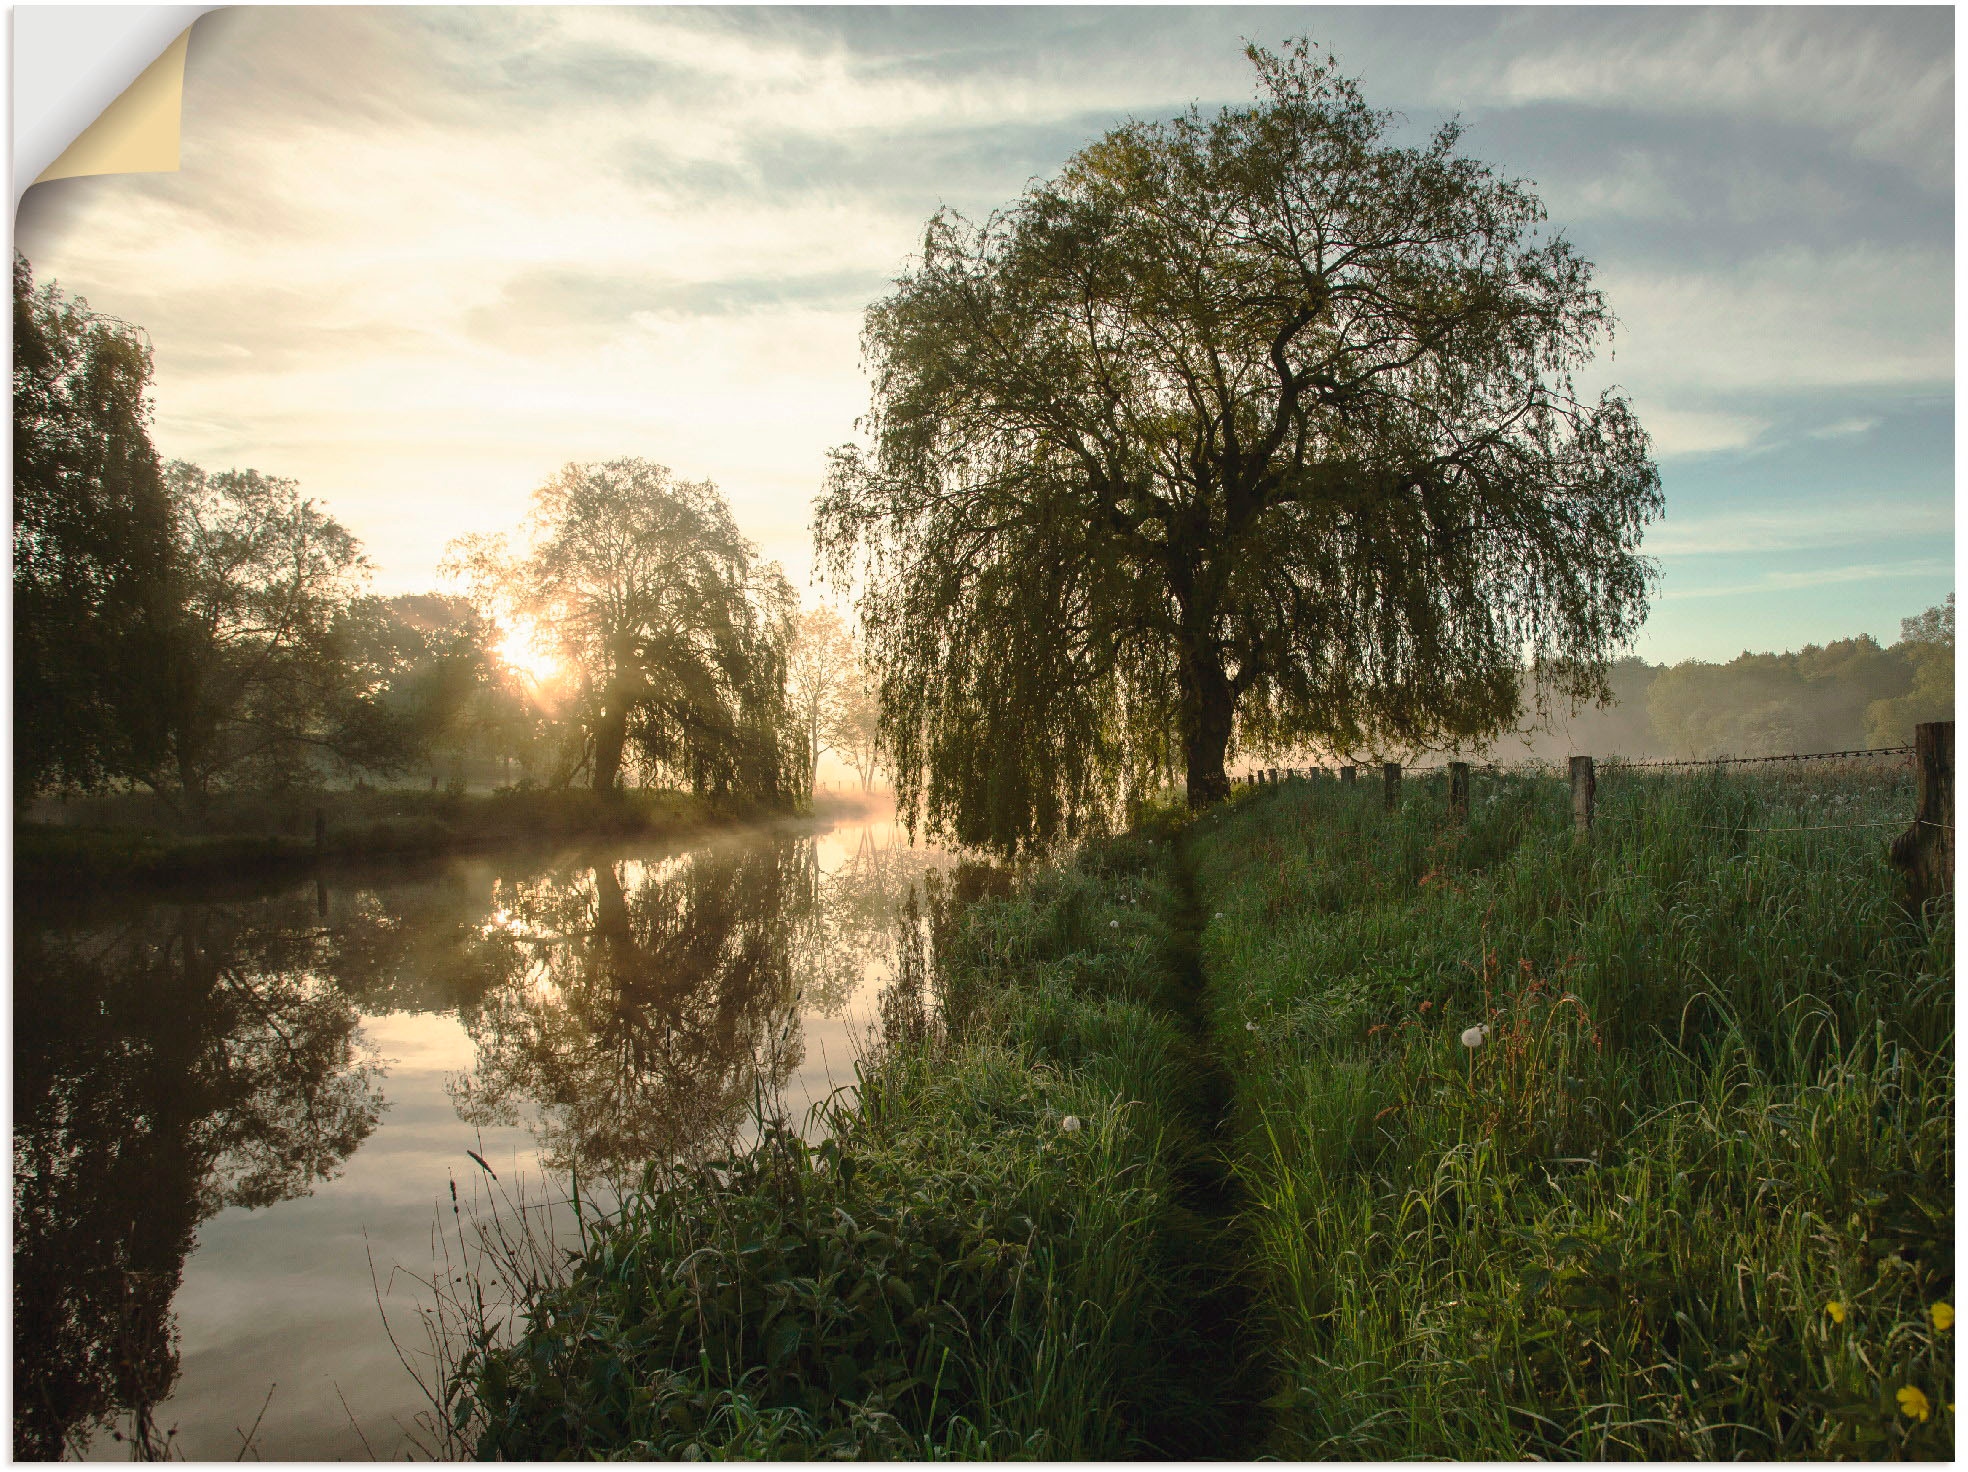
(1691,1195)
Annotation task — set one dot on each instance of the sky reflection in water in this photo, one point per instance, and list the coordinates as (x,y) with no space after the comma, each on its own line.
(224,1111)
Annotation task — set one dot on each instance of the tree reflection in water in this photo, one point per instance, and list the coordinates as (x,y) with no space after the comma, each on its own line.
(189,1059)
(642,1007)
(192,1057)
(865,924)
(646,1008)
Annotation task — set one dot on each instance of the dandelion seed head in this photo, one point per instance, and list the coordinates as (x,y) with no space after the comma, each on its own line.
(1472,1037)
(1071,1124)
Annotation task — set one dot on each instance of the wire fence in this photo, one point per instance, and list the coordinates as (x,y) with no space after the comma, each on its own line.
(1394,772)
(1553,767)
(1616,763)
(1923,850)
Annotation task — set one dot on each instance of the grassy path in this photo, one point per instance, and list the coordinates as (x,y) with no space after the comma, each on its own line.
(1213,1204)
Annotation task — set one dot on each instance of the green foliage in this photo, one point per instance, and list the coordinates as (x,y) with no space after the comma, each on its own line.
(1813,699)
(1842,696)
(953,1272)
(196,632)
(1927,644)
(678,635)
(94,533)
(823,680)
(259,686)
(437,684)
(1691,1197)
(1249,429)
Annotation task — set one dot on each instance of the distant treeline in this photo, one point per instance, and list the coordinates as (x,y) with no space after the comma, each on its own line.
(1843,696)
(190,633)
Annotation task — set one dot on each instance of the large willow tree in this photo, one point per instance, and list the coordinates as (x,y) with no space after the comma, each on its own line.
(1256,429)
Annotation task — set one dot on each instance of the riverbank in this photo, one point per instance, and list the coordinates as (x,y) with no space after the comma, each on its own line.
(133,843)
(1317,1129)
(997,1252)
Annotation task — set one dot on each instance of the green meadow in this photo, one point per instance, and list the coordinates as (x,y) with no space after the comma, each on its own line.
(1317,1129)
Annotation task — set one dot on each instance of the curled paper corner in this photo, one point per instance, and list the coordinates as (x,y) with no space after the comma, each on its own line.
(138,132)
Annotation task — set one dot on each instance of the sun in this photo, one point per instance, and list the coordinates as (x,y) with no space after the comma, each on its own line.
(520,652)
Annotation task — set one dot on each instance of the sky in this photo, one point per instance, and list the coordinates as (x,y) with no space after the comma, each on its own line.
(419,258)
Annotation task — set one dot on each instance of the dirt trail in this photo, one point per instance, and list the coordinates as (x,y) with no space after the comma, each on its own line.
(1213,1201)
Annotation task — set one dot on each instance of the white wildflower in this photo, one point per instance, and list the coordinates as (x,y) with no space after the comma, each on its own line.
(1472,1037)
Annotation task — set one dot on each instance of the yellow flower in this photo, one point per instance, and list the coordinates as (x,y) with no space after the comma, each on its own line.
(1913,1403)
(1836,1310)
(1943,1316)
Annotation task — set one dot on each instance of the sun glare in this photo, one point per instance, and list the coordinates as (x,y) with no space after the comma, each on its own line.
(519,650)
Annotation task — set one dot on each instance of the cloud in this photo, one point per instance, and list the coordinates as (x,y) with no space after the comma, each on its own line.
(1799,526)
(1788,581)
(1882,78)
(1691,192)
(1678,432)
(557,309)
(1844,428)
(421,257)
(1787,319)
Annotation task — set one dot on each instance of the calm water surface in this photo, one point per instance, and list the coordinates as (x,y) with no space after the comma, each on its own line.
(238,1122)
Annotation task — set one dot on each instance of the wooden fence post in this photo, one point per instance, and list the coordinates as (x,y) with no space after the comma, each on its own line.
(1926,850)
(1458,791)
(1347,774)
(1584,789)
(1390,782)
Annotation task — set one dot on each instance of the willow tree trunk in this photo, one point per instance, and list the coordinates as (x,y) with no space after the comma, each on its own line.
(611,736)
(1209,707)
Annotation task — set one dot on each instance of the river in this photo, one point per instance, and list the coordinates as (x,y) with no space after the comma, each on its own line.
(239,1119)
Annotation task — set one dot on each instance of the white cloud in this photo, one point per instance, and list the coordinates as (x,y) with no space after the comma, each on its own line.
(1789,319)
(1885,86)
(1793,581)
(1699,431)
(1843,428)
(1797,527)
